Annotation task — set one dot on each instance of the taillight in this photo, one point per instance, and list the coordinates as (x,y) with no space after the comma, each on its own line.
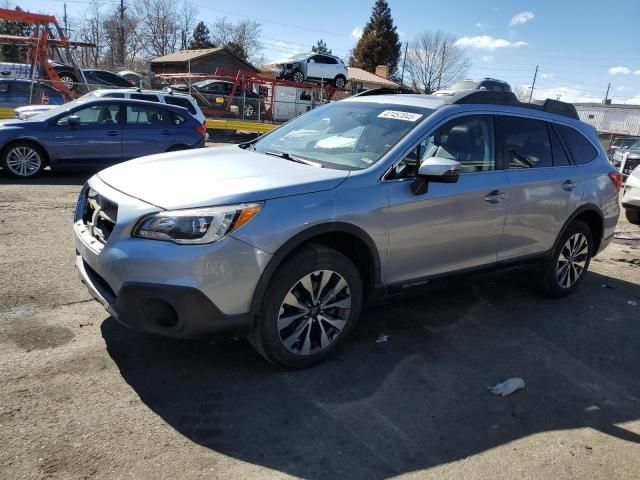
(201,129)
(616,178)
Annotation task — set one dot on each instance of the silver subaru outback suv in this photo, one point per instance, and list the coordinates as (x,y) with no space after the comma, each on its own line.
(285,238)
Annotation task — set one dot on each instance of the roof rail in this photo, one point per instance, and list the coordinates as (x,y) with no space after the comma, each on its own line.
(509,98)
(382,91)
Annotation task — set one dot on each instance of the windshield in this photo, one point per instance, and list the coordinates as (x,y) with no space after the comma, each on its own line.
(59,109)
(464,85)
(344,135)
(202,83)
(634,146)
(300,56)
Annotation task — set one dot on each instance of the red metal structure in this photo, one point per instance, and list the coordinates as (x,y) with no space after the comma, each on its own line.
(244,80)
(47,40)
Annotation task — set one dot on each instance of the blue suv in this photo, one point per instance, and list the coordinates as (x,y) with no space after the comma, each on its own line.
(95,133)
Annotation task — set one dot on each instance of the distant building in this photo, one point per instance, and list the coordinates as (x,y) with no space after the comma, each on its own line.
(199,61)
(361,80)
(611,119)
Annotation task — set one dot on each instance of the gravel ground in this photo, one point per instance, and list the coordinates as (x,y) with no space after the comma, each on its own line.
(82,396)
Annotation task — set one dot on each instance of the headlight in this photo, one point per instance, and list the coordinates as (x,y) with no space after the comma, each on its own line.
(196,226)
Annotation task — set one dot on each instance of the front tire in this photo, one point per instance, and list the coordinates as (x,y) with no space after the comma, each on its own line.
(298,76)
(311,306)
(23,160)
(68,80)
(569,261)
(633,215)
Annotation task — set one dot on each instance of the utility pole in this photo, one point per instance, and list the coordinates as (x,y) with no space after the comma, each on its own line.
(533,85)
(64,19)
(606,95)
(404,62)
(121,42)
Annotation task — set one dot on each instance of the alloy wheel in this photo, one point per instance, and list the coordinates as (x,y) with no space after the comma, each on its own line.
(340,82)
(248,110)
(298,77)
(314,312)
(68,81)
(24,161)
(572,260)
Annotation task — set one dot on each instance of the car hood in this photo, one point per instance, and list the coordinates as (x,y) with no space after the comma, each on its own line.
(633,153)
(216,176)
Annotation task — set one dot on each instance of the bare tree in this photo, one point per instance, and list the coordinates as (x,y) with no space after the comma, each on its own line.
(89,29)
(157,26)
(434,61)
(241,38)
(187,17)
(113,42)
(522,92)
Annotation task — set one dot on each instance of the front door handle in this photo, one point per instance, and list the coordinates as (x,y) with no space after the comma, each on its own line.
(113,133)
(165,132)
(495,196)
(569,185)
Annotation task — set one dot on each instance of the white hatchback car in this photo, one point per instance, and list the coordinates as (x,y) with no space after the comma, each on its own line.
(631,197)
(179,99)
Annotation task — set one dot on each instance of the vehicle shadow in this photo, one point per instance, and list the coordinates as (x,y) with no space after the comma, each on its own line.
(48,177)
(416,400)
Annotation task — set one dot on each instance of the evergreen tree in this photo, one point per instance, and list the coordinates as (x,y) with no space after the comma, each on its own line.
(14,53)
(238,50)
(321,47)
(380,43)
(200,38)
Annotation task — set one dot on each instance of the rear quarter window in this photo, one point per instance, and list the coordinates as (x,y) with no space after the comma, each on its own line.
(580,148)
(181,102)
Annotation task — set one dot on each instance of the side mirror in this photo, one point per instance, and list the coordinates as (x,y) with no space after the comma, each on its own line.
(435,169)
(73,121)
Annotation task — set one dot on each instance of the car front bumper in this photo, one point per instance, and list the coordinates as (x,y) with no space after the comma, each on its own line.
(184,291)
(631,196)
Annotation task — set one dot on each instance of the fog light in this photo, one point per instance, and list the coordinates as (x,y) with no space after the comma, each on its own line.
(160,312)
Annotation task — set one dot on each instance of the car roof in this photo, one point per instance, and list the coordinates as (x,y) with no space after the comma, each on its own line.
(129,101)
(137,90)
(475,100)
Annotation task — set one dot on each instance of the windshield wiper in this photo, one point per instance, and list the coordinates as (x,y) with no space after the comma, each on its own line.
(291,158)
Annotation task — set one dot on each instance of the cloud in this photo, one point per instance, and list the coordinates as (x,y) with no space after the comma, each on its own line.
(356,32)
(636,72)
(486,58)
(619,70)
(623,89)
(566,94)
(522,17)
(485,42)
(546,75)
(482,26)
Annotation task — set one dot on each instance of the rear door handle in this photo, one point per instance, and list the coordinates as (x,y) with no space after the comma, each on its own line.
(569,185)
(113,133)
(495,196)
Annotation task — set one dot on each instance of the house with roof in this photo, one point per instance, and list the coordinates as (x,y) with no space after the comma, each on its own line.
(199,61)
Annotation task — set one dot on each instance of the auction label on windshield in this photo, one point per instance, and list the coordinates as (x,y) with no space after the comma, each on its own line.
(397,115)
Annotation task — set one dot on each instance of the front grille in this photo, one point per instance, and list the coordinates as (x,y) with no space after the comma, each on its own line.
(629,165)
(99,216)
(100,283)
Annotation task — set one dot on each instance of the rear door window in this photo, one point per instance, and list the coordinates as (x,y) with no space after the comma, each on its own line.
(580,148)
(114,95)
(526,143)
(143,115)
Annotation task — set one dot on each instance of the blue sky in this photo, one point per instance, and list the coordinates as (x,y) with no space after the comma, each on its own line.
(580,46)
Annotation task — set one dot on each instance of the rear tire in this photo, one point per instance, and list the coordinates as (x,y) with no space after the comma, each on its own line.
(339,82)
(177,148)
(312,304)
(633,215)
(563,271)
